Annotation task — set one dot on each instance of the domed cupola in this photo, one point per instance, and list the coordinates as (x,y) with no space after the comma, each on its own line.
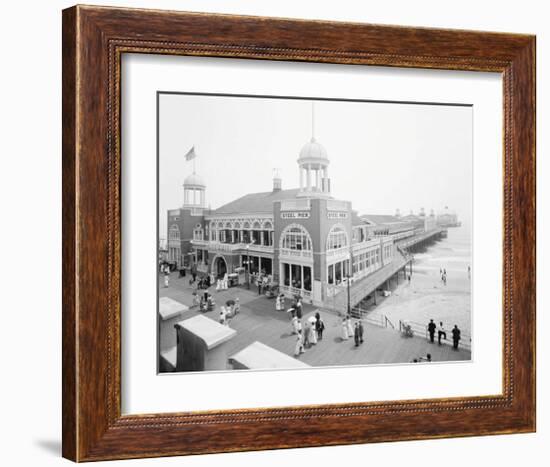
(313,165)
(194,188)
(313,151)
(194,181)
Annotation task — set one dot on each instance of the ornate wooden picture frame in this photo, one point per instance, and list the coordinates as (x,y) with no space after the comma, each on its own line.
(94,40)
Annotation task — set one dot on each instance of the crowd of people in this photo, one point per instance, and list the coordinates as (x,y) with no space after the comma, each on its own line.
(349,330)
(442,333)
(307,334)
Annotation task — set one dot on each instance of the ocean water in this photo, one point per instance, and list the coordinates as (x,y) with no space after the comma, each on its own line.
(454,253)
(427,297)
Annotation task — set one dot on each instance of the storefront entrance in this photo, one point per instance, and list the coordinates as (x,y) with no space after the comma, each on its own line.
(219,267)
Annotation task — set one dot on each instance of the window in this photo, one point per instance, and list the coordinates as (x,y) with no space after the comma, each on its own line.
(337,238)
(286,274)
(174,233)
(296,237)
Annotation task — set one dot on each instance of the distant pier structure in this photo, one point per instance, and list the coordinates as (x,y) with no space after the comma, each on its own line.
(409,233)
(448,218)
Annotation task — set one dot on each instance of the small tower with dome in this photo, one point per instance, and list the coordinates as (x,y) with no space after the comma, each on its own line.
(313,165)
(194,192)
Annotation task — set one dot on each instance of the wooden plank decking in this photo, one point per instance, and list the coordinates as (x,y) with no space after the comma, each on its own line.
(259,321)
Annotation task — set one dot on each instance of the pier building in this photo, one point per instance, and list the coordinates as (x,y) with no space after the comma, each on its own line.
(304,239)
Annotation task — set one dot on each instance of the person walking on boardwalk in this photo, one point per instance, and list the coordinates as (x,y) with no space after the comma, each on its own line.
(319,326)
(349,324)
(278,303)
(361,331)
(441,332)
(431,330)
(166,276)
(312,333)
(307,335)
(299,348)
(299,308)
(456,337)
(356,334)
(344,330)
(295,326)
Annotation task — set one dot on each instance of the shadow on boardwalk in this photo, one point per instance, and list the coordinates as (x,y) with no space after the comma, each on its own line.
(259,321)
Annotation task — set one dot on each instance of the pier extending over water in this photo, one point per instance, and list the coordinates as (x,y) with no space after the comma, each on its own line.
(398,269)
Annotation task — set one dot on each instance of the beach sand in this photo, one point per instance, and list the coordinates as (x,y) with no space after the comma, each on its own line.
(426,297)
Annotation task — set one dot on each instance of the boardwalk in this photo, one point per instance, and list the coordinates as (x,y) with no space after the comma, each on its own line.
(367,285)
(258,320)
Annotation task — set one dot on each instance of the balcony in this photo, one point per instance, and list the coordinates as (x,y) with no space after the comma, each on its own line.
(338,254)
(290,291)
(287,253)
(232,247)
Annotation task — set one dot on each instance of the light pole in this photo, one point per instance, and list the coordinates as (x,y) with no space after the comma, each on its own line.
(248,264)
(349,300)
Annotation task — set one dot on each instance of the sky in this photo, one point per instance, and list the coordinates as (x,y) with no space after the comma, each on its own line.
(383,156)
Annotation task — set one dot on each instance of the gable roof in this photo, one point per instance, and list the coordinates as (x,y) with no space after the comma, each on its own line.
(356,219)
(378,219)
(256,202)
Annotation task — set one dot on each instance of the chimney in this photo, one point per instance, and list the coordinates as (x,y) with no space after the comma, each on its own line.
(397,213)
(422,213)
(277,181)
(432,213)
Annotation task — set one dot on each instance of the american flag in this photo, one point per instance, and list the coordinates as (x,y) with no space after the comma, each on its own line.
(190,154)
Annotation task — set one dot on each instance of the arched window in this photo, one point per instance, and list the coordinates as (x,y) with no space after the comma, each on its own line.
(256,226)
(198,233)
(296,237)
(337,238)
(268,225)
(174,232)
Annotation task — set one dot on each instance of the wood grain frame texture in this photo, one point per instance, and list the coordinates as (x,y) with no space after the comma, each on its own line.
(94,39)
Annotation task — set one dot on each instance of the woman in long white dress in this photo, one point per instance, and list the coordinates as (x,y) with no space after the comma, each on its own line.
(278,303)
(295,326)
(344,330)
(350,326)
(313,335)
(299,348)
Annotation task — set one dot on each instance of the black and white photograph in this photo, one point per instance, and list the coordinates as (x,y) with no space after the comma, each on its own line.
(298,232)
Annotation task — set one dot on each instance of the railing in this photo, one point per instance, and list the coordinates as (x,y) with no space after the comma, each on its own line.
(230,247)
(257,247)
(374,318)
(295,253)
(420,237)
(338,253)
(417,329)
(293,291)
